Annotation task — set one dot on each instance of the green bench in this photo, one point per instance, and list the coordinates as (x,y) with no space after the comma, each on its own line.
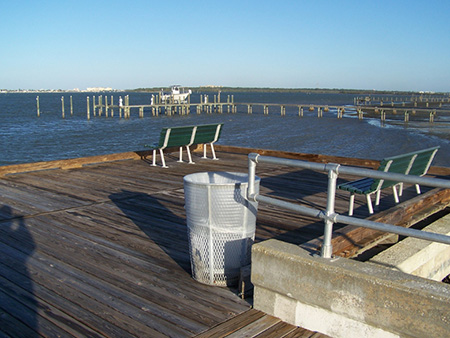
(414,163)
(208,134)
(186,136)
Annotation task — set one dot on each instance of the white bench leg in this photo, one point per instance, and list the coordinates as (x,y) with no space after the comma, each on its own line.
(213,152)
(418,189)
(377,198)
(400,189)
(189,155)
(369,203)
(154,158)
(350,205)
(181,155)
(204,150)
(394,190)
(162,159)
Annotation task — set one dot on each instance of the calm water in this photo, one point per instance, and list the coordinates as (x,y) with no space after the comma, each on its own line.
(24,137)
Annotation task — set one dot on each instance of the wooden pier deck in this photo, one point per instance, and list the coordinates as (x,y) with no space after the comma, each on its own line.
(102,251)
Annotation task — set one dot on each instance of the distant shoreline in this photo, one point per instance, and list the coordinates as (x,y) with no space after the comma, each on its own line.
(215,89)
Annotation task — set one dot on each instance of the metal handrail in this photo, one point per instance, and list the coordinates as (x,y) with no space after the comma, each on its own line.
(329,215)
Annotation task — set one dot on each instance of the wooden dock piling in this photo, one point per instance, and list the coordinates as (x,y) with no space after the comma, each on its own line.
(106,107)
(127,109)
(112,106)
(100,105)
(37,106)
(62,107)
(88,112)
(120,107)
(360,114)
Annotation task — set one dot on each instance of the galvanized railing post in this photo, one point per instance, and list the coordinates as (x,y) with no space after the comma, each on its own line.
(327,248)
(252,159)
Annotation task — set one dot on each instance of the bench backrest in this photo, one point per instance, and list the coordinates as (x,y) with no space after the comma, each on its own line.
(175,137)
(400,164)
(207,133)
(423,161)
(188,135)
(413,163)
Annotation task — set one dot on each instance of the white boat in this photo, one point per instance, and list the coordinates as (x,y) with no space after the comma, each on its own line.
(177,94)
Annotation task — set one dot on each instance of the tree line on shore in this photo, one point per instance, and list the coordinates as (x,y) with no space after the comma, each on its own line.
(215,89)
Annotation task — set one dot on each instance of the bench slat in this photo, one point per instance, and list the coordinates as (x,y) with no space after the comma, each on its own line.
(180,136)
(399,165)
(206,133)
(423,161)
(361,186)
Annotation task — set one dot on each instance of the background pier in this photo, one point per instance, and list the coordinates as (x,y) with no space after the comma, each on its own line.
(381,107)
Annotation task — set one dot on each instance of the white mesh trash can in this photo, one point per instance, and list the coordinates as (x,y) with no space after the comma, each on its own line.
(221,225)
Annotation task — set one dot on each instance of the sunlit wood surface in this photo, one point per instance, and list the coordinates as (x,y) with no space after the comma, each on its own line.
(102,250)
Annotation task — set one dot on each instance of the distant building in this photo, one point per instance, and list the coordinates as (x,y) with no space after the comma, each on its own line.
(99,89)
(211,86)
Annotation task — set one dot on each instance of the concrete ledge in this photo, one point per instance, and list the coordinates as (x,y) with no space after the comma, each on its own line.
(419,257)
(346,298)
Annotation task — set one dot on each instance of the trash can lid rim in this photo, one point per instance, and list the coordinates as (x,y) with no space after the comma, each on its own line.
(224,178)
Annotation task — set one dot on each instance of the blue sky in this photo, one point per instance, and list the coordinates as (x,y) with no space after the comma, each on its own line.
(384,45)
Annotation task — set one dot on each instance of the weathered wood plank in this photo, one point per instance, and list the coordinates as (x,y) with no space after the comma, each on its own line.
(48,320)
(79,162)
(102,249)
(280,329)
(44,275)
(66,164)
(255,328)
(232,325)
(15,318)
(153,291)
(148,253)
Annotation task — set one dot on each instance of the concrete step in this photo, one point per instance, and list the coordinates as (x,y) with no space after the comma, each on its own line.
(419,257)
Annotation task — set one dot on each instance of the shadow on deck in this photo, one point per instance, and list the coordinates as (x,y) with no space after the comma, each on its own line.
(102,250)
